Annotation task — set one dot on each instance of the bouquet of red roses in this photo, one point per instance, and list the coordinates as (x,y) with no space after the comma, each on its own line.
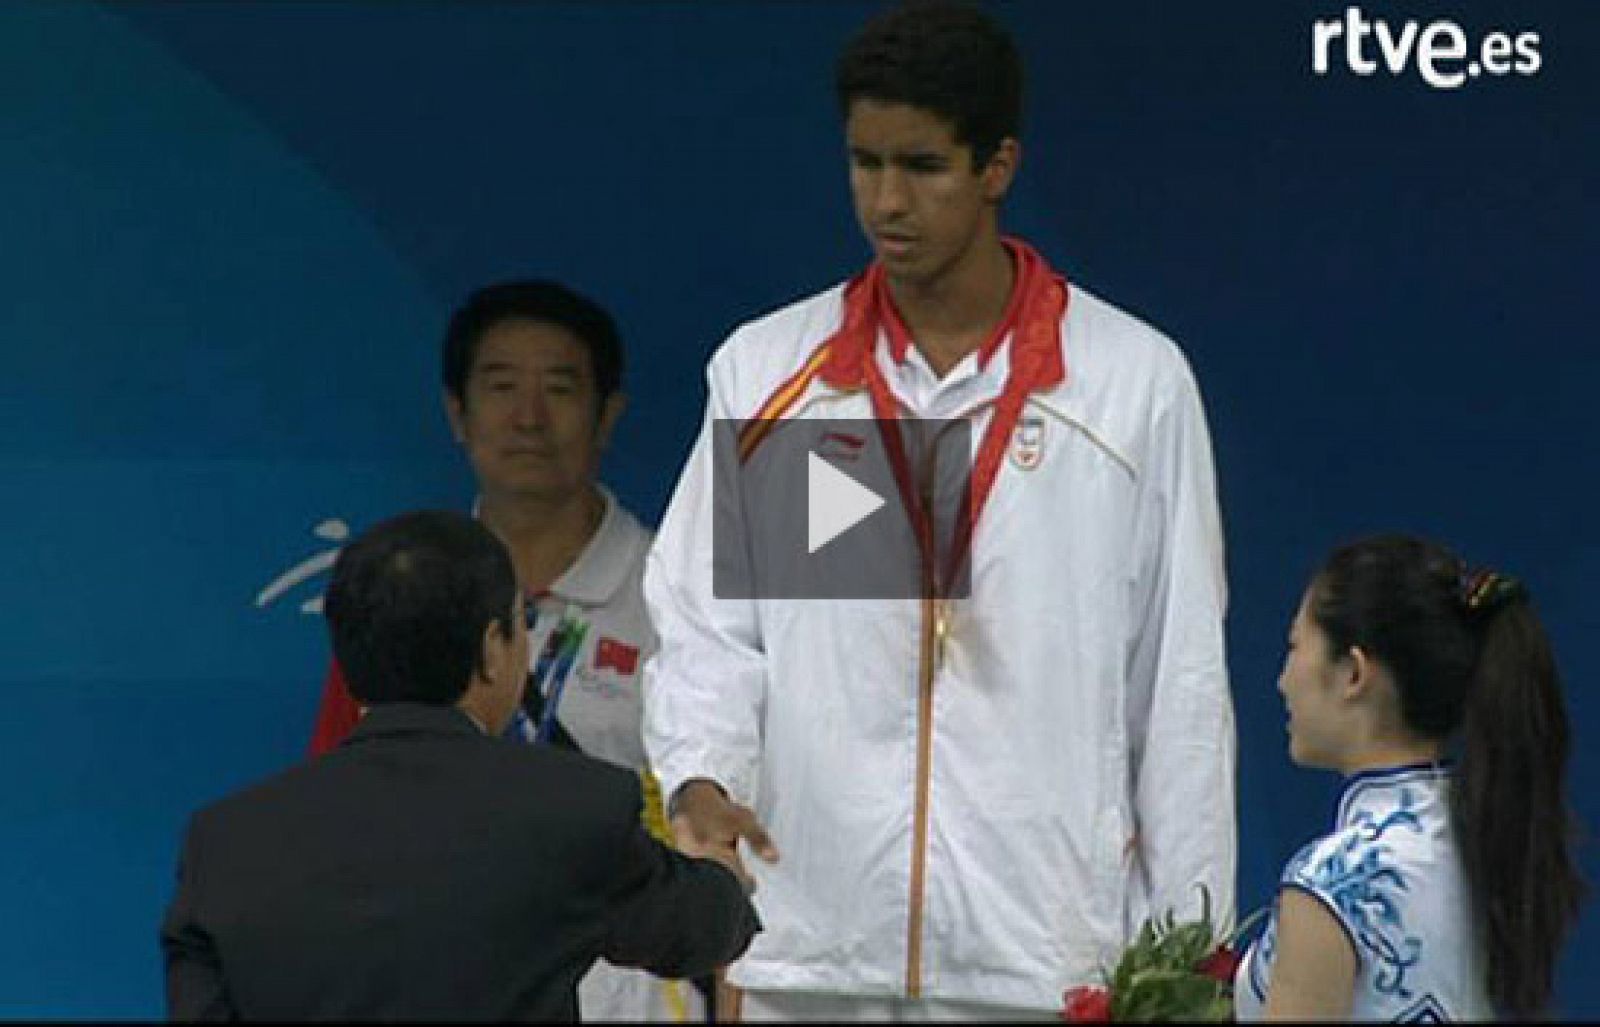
(1172,971)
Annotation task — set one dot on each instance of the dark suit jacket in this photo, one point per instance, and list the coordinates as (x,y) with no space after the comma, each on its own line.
(425,871)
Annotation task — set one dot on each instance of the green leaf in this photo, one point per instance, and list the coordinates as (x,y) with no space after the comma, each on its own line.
(1155,979)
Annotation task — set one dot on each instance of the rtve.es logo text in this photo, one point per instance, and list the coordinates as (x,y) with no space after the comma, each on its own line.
(1440,50)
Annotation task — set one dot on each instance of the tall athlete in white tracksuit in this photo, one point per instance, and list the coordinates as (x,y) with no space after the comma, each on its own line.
(1064,767)
(963,805)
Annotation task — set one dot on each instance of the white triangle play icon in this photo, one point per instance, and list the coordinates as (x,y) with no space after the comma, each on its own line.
(835,502)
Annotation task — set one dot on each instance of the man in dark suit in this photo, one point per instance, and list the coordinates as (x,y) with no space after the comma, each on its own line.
(427,869)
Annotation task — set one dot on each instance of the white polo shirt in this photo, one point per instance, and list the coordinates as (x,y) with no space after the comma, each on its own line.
(600,705)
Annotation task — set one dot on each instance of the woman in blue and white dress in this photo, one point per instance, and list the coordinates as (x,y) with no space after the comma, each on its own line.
(1447,886)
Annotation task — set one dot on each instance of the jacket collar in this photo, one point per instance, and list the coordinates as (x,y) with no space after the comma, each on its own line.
(389,719)
(1033,317)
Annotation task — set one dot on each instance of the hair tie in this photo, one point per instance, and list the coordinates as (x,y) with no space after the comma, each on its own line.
(1485,591)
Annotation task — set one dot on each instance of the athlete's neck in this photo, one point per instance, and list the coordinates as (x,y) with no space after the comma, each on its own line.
(953,314)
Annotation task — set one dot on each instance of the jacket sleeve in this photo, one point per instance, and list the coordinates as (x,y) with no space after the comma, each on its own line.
(196,989)
(1181,727)
(673,915)
(337,713)
(706,685)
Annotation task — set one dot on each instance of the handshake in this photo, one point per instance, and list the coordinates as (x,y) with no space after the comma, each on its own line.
(705,823)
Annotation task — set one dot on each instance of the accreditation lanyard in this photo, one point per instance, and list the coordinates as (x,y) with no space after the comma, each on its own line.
(556,660)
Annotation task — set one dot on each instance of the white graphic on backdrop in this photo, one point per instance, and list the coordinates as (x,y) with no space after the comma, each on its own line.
(332,530)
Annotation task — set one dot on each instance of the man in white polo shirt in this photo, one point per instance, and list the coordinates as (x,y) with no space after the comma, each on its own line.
(532,377)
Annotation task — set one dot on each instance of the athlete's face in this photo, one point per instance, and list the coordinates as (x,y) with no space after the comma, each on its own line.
(918,196)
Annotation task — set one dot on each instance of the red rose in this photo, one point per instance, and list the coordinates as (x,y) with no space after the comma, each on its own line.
(1221,965)
(1085,1004)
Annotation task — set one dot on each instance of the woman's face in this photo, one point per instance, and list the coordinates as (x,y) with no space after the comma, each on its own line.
(1311,687)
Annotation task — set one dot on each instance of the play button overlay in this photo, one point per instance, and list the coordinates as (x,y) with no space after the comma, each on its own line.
(834,503)
(811,508)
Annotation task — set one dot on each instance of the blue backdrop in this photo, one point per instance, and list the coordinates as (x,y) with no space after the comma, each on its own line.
(231,233)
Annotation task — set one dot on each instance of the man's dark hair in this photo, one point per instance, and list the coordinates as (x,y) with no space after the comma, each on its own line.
(409,602)
(538,300)
(947,58)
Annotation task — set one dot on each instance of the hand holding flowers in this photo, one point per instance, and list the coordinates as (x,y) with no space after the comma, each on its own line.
(1172,971)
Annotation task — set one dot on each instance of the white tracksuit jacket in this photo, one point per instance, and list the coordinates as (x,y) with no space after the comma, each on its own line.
(1071,760)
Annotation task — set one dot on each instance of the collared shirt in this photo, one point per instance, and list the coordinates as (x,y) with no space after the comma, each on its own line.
(1390,874)
(964,387)
(600,705)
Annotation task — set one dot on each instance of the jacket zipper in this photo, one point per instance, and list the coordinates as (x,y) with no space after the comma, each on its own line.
(930,656)
(919,821)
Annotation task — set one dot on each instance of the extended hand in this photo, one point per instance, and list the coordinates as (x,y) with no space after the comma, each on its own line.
(706,823)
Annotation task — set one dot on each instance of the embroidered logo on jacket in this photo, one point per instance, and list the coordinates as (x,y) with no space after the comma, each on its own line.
(1027,442)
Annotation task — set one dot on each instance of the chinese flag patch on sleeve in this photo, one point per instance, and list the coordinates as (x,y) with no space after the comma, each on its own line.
(616,654)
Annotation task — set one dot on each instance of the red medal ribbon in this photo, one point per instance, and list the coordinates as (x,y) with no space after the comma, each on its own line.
(1039,299)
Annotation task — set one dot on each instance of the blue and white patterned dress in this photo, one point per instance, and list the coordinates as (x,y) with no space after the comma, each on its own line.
(1391,875)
